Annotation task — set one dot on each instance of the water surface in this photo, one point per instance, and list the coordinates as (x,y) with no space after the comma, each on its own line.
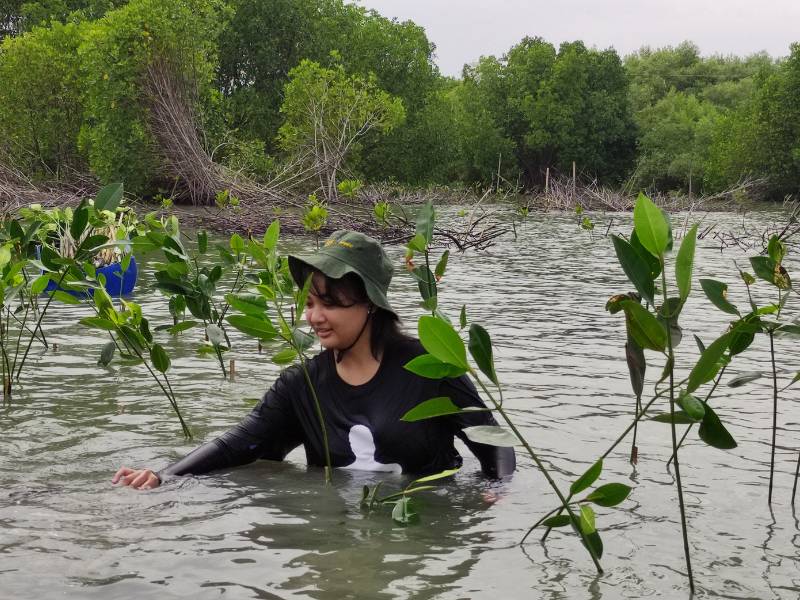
(272,530)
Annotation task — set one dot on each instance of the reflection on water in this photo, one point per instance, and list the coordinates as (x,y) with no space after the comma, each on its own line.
(272,530)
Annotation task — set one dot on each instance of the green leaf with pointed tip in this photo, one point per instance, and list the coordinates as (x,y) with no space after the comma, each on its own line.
(237,243)
(426,282)
(637,365)
(441,266)
(717,293)
(768,270)
(159,358)
(271,235)
(434,477)
(609,494)
(691,406)
(776,249)
(109,197)
(681,418)
(260,328)
(202,241)
(462,317)
(684,263)
(249,304)
(442,341)
(557,521)
(437,407)
(587,479)
(284,357)
(480,347)
(636,267)
(652,228)
(645,329)
(39,284)
(80,219)
(653,261)
(491,435)
(713,432)
(708,364)
(417,243)
(427,365)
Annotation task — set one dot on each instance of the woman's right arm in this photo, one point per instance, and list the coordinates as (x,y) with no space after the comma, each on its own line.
(271,431)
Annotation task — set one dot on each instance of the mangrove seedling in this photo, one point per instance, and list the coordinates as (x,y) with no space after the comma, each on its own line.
(131,337)
(404,511)
(274,289)
(447,357)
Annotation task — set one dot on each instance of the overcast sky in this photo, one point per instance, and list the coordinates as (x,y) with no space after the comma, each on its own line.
(464,30)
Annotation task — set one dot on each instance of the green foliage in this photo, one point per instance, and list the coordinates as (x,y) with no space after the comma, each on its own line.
(328,111)
(115,54)
(677,134)
(40,104)
(315,216)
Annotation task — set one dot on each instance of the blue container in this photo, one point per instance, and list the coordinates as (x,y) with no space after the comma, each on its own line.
(116,283)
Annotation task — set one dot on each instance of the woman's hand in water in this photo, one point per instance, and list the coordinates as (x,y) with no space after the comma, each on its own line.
(141,479)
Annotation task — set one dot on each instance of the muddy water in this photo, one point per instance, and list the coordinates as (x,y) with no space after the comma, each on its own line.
(272,530)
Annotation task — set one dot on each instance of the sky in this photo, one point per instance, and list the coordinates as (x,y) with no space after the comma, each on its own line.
(464,30)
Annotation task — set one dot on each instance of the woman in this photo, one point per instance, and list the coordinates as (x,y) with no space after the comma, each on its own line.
(360,381)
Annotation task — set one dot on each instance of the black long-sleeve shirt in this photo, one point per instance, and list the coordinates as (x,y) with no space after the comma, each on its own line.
(363,423)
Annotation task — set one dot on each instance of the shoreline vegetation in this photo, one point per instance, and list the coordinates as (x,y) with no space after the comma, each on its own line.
(306,106)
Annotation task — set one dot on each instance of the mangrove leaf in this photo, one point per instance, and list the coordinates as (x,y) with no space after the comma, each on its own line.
(587,479)
(717,293)
(684,263)
(437,407)
(159,358)
(480,347)
(442,341)
(636,268)
(109,197)
(713,432)
(708,364)
(427,365)
(609,494)
(491,435)
(260,328)
(645,329)
(651,227)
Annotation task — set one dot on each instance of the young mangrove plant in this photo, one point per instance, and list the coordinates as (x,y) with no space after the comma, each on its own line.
(274,290)
(655,327)
(766,320)
(447,357)
(132,339)
(404,510)
(65,247)
(190,285)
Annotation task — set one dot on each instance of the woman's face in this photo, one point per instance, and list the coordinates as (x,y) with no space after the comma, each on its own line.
(337,327)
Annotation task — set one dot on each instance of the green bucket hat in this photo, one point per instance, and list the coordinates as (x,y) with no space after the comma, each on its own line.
(350,252)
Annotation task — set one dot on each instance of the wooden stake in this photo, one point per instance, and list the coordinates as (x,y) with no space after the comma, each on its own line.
(573,181)
(232,369)
(547,181)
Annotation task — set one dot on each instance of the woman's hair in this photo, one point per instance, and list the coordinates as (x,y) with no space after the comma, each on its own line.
(350,290)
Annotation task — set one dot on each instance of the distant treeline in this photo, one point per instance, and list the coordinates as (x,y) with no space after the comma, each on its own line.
(72,99)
